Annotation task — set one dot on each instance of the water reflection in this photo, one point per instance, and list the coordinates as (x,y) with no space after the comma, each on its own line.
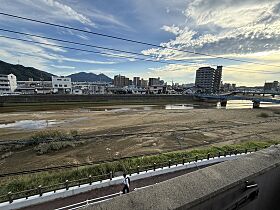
(190,106)
(242,104)
(179,106)
(29,124)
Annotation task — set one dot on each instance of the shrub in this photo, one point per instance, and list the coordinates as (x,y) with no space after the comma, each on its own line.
(44,148)
(55,135)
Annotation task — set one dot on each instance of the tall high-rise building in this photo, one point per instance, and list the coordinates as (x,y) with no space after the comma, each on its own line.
(121,81)
(208,79)
(143,83)
(155,81)
(136,81)
(271,86)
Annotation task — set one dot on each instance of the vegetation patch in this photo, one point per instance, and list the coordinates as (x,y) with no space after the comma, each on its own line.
(53,135)
(129,165)
(44,148)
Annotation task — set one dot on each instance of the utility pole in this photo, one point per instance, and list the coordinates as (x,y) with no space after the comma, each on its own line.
(42,81)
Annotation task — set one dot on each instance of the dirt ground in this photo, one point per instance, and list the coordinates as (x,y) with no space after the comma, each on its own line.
(138,130)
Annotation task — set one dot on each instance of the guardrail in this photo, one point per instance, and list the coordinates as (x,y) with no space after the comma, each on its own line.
(40,190)
(88,202)
(94,200)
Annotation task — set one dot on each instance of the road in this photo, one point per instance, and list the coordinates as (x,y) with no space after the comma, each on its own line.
(105,191)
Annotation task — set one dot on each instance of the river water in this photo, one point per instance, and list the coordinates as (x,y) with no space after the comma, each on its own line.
(189,106)
(40,124)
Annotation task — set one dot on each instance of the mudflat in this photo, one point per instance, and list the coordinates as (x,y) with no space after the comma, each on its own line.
(118,131)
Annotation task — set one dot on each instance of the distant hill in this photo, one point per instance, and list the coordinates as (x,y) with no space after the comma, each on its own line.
(89,77)
(24,73)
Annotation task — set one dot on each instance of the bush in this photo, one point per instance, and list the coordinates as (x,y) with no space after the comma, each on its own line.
(44,148)
(53,135)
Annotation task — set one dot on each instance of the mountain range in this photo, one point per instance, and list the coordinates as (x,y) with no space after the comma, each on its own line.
(25,73)
(89,77)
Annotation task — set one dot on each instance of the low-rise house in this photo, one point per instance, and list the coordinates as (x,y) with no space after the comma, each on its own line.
(61,85)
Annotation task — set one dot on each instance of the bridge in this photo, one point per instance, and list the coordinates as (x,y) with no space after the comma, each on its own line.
(224,98)
(254,92)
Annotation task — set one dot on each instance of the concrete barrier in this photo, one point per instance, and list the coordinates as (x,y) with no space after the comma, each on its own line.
(249,182)
(46,197)
(92,98)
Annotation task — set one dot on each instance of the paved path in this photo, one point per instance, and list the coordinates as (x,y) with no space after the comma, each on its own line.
(105,191)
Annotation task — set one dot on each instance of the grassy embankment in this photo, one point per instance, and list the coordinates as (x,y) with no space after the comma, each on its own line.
(25,182)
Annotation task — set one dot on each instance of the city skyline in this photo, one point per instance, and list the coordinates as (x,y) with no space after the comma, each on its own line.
(247,30)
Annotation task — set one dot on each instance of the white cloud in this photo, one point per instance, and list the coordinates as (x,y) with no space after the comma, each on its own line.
(223,27)
(69,12)
(84,60)
(47,44)
(172,29)
(63,67)
(176,72)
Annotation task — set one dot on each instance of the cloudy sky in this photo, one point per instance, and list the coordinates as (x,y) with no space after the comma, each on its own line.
(239,29)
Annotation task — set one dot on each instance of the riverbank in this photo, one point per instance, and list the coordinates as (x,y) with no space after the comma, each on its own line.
(50,178)
(119,131)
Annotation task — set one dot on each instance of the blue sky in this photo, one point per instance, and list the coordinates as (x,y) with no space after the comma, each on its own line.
(240,29)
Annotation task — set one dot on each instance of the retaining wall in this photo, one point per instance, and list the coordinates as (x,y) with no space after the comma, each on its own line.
(46,197)
(91,98)
(249,182)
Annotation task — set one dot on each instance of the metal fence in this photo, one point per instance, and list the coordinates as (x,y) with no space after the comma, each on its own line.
(40,190)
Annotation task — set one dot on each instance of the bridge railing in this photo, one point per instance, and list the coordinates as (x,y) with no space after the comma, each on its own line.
(40,190)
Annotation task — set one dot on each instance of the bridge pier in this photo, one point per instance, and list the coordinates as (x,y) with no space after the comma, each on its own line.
(256,104)
(223,103)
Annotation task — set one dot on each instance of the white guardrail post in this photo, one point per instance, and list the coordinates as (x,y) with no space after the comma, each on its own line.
(154,171)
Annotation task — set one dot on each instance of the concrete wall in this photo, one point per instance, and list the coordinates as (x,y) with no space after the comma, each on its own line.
(221,186)
(50,196)
(92,98)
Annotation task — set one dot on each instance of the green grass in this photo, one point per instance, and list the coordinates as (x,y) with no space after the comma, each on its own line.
(25,182)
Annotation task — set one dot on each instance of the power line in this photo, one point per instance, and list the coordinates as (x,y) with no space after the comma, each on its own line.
(132,40)
(104,48)
(128,57)
(71,42)
(84,50)
(83,44)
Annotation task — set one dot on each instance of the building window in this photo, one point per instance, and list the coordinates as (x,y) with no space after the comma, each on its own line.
(55,85)
(60,85)
(65,85)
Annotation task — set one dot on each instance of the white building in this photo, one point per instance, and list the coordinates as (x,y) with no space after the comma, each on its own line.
(8,84)
(61,85)
(34,87)
(157,89)
(88,88)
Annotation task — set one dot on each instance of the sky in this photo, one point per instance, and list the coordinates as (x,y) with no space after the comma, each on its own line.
(247,30)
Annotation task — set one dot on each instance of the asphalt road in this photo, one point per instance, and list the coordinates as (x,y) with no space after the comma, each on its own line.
(105,191)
